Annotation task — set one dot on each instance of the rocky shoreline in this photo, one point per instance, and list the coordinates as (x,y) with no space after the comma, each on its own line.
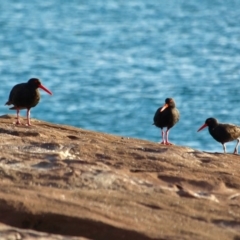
(62,182)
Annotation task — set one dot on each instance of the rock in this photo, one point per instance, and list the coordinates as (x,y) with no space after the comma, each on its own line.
(62,182)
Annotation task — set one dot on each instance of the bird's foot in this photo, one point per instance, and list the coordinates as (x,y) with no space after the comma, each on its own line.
(28,122)
(18,122)
(166,143)
(22,124)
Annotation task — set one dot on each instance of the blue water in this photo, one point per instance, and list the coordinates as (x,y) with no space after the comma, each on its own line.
(110,64)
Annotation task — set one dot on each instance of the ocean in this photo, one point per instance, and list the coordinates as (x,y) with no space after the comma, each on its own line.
(111,64)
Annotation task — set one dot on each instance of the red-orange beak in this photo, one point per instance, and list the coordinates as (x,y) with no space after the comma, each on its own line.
(45,89)
(164,107)
(202,127)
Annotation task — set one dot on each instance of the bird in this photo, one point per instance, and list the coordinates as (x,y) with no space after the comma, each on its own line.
(25,96)
(222,132)
(166,116)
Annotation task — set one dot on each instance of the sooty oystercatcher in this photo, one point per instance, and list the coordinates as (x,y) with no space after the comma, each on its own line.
(166,116)
(222,132)
(25,96)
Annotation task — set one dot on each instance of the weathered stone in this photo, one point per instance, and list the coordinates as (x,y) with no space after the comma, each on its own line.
(58,181)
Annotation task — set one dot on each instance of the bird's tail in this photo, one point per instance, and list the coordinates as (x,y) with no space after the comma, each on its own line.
(8,103)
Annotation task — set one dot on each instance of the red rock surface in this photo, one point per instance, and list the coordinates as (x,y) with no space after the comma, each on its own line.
(61,182)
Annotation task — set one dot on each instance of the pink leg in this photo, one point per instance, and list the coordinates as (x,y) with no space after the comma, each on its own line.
(236,148)
(163,140)
(28,117)
(18,120)
(167,142)
(224,148)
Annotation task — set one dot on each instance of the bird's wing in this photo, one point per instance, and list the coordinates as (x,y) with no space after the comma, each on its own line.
(232,130)
(15,92)
(157,115)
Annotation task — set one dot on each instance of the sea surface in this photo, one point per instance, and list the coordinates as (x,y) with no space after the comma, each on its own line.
(111,63)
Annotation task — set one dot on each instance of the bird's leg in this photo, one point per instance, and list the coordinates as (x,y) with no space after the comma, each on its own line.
(224,147)
(236,148)
(28,117)
(163,138)
(167,142)
(18,120)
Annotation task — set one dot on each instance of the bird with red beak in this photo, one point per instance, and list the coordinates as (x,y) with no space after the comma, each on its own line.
(25,96)
(166,116)
(222,132)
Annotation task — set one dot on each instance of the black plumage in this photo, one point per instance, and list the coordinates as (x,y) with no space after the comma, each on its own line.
(166,116)
(222,132)
(25,96)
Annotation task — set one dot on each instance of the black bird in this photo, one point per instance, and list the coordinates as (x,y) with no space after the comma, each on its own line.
(166,116)
(25,96)
(222,132)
